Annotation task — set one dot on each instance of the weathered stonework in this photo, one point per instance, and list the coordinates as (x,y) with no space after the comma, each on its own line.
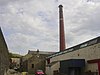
(4,57)
(34,60)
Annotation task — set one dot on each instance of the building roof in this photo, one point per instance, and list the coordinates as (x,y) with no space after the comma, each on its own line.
(32,53)
(40,52)
(77,47)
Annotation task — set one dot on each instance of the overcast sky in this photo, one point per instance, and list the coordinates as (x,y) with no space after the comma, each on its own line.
(34,24)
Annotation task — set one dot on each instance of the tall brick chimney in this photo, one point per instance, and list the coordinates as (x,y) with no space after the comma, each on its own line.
(61,28)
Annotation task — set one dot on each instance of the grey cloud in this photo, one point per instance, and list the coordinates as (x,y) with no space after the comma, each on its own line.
(82,21)
(88,23)
(34,24)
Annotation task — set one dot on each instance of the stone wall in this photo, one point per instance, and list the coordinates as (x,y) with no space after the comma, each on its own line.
(88,53)
(4,57)
(38,63)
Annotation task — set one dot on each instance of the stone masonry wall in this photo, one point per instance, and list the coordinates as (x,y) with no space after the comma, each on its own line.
(4,57)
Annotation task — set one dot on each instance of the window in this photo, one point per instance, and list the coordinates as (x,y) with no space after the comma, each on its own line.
(48,60)
(71,49)
(32,65)
(92,42)
(83,45)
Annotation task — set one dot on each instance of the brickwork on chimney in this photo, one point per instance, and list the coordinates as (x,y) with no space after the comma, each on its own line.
(61,29)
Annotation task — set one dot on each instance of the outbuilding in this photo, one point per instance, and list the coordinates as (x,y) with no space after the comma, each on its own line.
(82,59)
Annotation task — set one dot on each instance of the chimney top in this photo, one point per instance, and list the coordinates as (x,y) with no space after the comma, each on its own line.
(60,6)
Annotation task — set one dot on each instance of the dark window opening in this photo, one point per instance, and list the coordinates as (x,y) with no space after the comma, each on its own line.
(32,65)
(48,60)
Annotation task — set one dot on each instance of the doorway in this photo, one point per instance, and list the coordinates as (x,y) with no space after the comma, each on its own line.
(74,71)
